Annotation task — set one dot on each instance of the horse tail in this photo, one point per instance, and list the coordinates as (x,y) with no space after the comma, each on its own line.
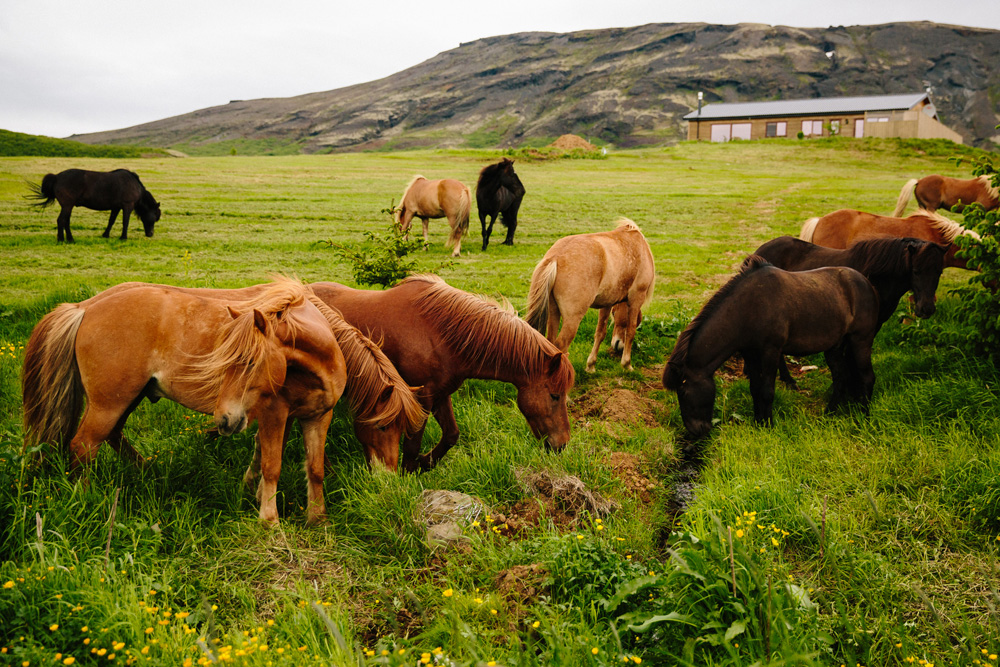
(808,229)
(50,383)
(904,198)
(45,193)
(461,227)
(542,279)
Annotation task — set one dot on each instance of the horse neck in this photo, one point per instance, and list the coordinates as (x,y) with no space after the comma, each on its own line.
(714,341)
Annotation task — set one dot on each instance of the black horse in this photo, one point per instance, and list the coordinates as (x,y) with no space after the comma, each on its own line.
(893,266)
(763,311)
(118,190)
(499,192)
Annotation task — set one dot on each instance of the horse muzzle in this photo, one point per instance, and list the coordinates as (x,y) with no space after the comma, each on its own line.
(228,424)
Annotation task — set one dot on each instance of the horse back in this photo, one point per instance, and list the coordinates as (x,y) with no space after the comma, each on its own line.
(98,190)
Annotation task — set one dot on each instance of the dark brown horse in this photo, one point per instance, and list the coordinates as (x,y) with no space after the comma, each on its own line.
(499,193)
(764,311)
(893,267)
(439,336)
(934,192)
(842,228)
(118,190)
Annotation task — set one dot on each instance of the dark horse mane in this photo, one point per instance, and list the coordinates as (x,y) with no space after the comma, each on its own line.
(489,184)
(673,374)
(487,333)
(885,255)
(490,174)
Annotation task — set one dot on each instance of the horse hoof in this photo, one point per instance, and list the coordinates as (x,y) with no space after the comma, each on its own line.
(590,368)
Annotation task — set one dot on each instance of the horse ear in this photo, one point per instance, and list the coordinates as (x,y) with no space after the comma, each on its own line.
(260,321)
(233,312)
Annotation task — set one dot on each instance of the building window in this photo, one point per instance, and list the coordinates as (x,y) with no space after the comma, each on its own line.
(834,127)
(812,127)
(776,129)
(741,131)
(720,132)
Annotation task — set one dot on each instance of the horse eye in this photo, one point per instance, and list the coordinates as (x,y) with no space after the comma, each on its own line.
(554,397)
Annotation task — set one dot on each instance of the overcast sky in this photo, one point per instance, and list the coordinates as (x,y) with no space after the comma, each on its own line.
(76,66)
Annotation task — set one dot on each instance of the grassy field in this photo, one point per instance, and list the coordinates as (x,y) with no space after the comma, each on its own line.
(854,541)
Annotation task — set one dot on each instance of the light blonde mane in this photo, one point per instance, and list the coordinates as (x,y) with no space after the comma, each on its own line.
(490,335)
(409,185)
(948,228)
(371,373)
(987,182)
(625,223)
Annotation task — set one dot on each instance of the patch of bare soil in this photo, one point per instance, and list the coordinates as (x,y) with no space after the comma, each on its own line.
(617,405)
(569,142)
(627,467)
(522,583)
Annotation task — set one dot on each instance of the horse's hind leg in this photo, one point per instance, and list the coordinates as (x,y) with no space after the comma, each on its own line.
(599,334)
(98,423)
(785,375)
(120,443)
(487,231)
(111,223)
(630,326)
(836,359)
(862,375)
(62,225)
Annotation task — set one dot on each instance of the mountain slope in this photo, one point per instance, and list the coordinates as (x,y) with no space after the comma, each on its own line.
(626,86)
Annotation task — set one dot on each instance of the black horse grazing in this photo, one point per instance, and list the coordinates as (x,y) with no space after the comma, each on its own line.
(499,192)
(118,190)
(893,266)
(763,311)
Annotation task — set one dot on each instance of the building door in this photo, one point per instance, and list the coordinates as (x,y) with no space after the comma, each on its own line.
(859,128)
(741,131)
(720,132)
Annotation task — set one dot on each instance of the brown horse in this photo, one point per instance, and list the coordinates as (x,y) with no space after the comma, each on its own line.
(934,192)
(841,228)
(153,342)
(439,336)
(586,271)
(445,198)
(383,405)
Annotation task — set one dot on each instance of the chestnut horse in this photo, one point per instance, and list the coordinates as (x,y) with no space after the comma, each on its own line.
(841,228)
(934,192)
(764,311)
(383,405)
(445,198)
(154,342)
(439,336)
(586,271)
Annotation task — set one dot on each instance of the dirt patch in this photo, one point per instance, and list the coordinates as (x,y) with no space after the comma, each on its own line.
(627,468)
(522,583)
(569,142)
(616,405)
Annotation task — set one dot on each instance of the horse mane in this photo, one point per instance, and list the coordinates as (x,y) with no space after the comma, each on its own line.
(371,375)
(409,185)
(987,182)
(490,174)
(673,372)
(949,229)
(239,342)
(489,334)
(882,256)
(626,224)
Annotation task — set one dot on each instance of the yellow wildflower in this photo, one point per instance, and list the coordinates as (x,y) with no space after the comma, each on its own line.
(448,592)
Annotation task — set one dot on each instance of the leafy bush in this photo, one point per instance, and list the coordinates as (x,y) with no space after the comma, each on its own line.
(381,260)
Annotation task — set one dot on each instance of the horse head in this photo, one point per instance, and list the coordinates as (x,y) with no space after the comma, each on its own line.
(696,398)
(542,401)
(149,211)
(927,261)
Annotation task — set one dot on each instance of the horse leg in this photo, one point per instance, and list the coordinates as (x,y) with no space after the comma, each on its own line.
(253,470)
(126,213)
(427,223)
(458,243)
(761,369)
(511,226)
(120,443)
(785,375)
(631,325)
(314,434)
(445,416)
(570,325)
(98,423)
(839,375)
(863,375)
(599,334)
(270,429)
(111,222)
(62,224)
(487,231)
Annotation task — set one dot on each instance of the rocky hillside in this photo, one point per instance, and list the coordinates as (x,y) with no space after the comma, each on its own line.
(625,86)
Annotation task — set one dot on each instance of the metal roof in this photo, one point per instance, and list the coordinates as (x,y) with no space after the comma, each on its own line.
(821,105)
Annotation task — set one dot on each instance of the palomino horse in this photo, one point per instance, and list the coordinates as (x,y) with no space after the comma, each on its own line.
(499,193)
(842,228)
(764,311)
(893,267)
(934,192)
(439,336)
(118,190)
(445,198)
(586,271)
(383,405)
(153,342)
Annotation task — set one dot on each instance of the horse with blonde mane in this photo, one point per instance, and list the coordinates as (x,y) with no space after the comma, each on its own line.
(438,336)
(934,192)
(383,405)
(444,198)
(603,270)
(842,228)
(232,360)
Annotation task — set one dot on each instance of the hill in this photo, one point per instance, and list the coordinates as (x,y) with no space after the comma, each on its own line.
(16,144)
(625,86)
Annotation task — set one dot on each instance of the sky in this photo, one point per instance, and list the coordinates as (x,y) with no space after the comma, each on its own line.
(77,66)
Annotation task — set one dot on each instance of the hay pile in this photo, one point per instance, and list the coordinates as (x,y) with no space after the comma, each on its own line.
(569,142)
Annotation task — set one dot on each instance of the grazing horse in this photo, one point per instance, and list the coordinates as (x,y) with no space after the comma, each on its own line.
(893,267)
(231,360)
(118,190)
(764,311)
(439,336)
(842,228)
(934,192)
(499,193)
(445,198)
(383,405)
(586,271)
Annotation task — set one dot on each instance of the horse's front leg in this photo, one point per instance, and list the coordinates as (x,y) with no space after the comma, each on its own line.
(599,334)
(314,434)
(126,213)
(487,231)
(270,430)
(111,222)
(761,369)
(427,223)
(445,416)
(253,470)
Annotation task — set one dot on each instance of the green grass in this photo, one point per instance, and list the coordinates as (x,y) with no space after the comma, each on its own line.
(856,541)
(17,144)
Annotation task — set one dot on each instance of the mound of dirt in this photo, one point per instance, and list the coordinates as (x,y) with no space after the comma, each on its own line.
(628,469)
(568,493)
(569,142)
(618,405)
(522,582)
